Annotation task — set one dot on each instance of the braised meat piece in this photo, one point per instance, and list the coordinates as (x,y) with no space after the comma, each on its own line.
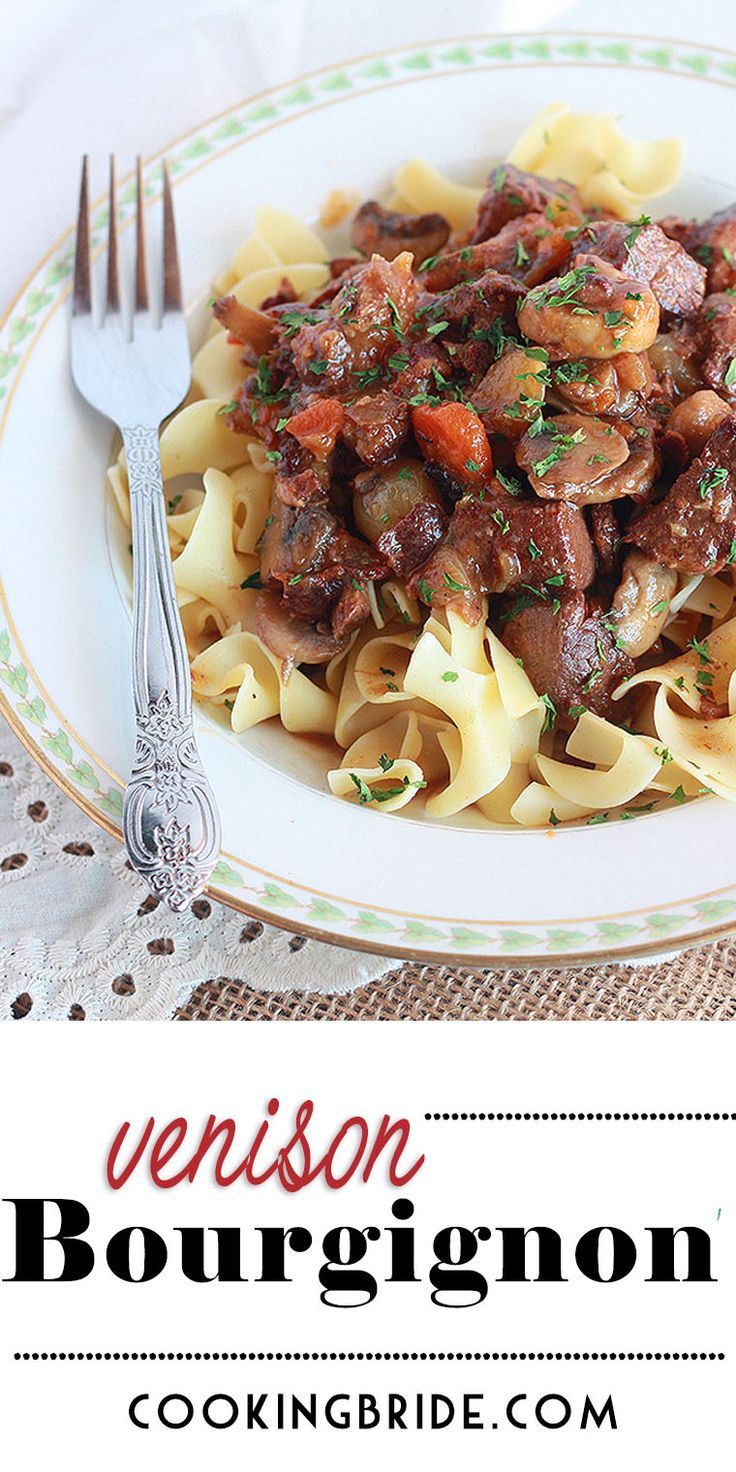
(568,652)
(712,242)
(645,253)
(375,426)
(499,543)
(719,322)
(694,528)
(478,314)
(409,543)
(606,537)
(528,248)
(389,232)
(309,557)
(364,325)
(511,192)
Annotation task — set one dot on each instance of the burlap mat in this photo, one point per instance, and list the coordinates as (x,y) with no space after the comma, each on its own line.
(699,984)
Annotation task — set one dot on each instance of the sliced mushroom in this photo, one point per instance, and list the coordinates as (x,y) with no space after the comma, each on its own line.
(246,323)
(297,643)
(641,603)
(572,458)
(592,311)
(389,232)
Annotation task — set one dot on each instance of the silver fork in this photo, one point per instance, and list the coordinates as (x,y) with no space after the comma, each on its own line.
(136,374)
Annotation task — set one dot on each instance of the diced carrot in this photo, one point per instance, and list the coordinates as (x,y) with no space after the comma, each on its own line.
(452,436)
(318,426)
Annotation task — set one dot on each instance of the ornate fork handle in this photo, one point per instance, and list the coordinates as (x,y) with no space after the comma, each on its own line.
(170,821)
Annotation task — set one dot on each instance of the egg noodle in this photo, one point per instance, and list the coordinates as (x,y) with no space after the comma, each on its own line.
(425,707)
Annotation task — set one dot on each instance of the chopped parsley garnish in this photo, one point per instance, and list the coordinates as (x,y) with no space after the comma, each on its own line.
(577,710)
(612,319)
(450,676)
(591,681)
(730,378)
(395,316)
(596,818)
(534,550)
(660,607)
(705,254)
(230,704)
(664,754)
(466,254)
(437,327)
(711,479)
(367,375)
(431,399)
(228,408)
(575,371)
(428,265)
(553,818)
(282,423)
(274,456)
(700,647)
(678,795)
(253,581)
(385,762)
(732,553)
(635,229)
(550,713)
(318,366)
(499,179)
(642,807)
(173,503)
(292,321)
(296,578)
(455,586)
(568,287)
(598,460)
(500,520)
(425,591)
(509,483)
(472,466)
(727,255)
(380,794)
(385,671)
(521,256)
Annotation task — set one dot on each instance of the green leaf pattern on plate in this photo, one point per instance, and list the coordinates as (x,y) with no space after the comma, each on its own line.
(42,295)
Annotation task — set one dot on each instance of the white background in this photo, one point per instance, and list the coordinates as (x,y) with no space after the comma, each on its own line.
(81,76)
(62,1106)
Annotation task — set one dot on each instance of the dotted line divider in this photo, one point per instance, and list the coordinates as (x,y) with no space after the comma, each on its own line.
(514,1117)
(495,1355)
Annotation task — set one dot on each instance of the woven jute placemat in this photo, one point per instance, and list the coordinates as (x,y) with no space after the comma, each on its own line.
(698,985)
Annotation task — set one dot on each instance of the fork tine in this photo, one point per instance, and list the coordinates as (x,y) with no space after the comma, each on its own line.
(82,298)
(141,284)
(172,280)
(113,297)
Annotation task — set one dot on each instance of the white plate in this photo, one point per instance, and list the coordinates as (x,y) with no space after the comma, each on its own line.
(292,853)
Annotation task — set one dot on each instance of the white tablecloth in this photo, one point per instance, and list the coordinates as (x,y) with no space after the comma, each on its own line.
(77,937)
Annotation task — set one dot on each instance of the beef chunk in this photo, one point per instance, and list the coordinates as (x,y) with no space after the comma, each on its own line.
(606,537)
(529,249)
(511,192)
(500,542)
(568,653)
(313,561)
(719,324)
(712,242)
(389,232)
(375,426)
(364,325)
(411,541)
(694,528)
(647,254)
(477,313)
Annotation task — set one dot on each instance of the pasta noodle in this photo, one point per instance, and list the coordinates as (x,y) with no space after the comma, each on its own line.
(588,149)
